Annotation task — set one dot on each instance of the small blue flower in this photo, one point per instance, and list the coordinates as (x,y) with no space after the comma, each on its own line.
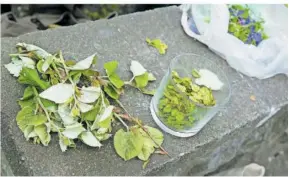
(252,28)
(257,37)
(247,21)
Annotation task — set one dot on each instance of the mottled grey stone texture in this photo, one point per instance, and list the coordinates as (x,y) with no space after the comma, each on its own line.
(123,39)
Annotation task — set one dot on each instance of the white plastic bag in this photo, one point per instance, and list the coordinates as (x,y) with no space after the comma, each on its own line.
(269,58)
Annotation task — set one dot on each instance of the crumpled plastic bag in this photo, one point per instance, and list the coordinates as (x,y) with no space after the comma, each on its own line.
(267,59)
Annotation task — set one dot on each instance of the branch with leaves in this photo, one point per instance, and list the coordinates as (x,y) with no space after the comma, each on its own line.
(72,99)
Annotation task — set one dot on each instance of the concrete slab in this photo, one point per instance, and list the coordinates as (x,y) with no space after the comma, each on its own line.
(123,39)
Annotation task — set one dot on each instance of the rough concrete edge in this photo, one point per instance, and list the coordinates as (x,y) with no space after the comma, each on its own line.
(254,121)
(5,166)
(91,22)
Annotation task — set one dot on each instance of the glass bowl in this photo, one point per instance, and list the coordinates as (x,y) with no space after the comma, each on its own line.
(184,64)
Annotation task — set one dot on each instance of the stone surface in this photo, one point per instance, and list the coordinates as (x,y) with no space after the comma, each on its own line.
(123,39)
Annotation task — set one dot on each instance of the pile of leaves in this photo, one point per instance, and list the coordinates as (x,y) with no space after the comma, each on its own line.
(181,98)
(244,27)
(73,99)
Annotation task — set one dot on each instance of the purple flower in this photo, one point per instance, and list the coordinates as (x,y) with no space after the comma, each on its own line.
(257,37)
(248,21)
(242,21)
(252,29)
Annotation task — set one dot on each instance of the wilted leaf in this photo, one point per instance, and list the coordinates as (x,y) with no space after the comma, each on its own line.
(64,113)
(89,139)
(72,131)
(37,50)
(58,93)
(89,94)
(151,77)
(84,64)
(43,134)
(136,68)
(84,107)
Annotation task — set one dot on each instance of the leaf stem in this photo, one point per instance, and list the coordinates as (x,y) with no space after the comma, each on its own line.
(120,119)
(43,107)
(143,128)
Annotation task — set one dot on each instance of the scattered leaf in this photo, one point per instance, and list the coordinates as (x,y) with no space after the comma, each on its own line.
(137,69)
(142,80)
(158,44)
(127,144)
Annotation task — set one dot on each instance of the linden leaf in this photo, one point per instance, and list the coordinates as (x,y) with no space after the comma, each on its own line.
(14,67)
(84,64)
(89,94)
(84,107)
(58,93)
(27,117)
(115,80)
(142,80)
(111,91)
(136,68)
(72,131)
(151,77)
(89,139)
(43,133)
(127,144)
(64,113)
(110,67)
(37,50)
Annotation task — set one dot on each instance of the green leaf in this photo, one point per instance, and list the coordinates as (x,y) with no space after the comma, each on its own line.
(49,105)
(136,68)
(58,93)
(151,77)
(142,80)
(31,77)
(128,144)
(43,134)
(155,134)
(158,44)
(27,117)
(72,131)
(84,64)
(47,62)
(148,92)
(28,93)
(88,138)
(145,164)
(111,91)
(91,115)
(29,102)
(195,73)
(39,66)
(115,80)
(245,14)
(147,149)
(110,67)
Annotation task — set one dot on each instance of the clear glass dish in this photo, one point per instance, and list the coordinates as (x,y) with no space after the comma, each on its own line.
(184,65)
